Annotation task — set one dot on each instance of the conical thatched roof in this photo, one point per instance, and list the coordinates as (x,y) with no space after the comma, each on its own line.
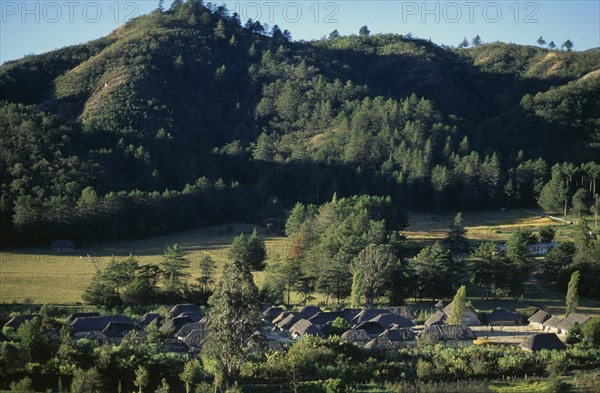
(388,319)
(399,335)
(540,341)
(447,333)
(540,317)
(438,318)
(356,336)
(381,344)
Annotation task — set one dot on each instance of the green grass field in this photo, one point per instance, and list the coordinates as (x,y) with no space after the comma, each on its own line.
(38,276)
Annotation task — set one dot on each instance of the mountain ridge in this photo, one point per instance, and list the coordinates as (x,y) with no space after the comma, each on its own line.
(175,97)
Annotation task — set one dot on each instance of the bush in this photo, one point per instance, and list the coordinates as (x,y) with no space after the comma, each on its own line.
(23,386)
(591,330)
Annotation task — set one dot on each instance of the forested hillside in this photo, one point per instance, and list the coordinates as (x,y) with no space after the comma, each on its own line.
(189,117)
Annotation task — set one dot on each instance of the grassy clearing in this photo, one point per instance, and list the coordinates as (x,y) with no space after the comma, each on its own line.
(490,225)
(38,276)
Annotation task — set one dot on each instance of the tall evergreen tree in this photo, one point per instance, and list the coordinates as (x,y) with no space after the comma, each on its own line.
(572,293)
(233,318)
(456,238)
(174,265)
(459,306)
(207,270)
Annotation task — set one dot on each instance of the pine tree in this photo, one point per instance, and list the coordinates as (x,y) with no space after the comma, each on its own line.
(207,270)
(174,265)
(142,378)
(357,288)
(572,295)
(459,306)
(456,238)
(232,320)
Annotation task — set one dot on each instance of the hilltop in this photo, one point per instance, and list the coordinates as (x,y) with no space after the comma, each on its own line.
(188,117)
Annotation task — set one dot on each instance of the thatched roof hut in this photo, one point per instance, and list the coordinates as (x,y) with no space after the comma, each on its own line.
(289,321)
(304,327)
(438,318)
(537,320)
(373,329)
(195,338)
(135,336)
(367,314)
(551,324)
(76,315)
(399,335)
(502,317)
(149,317)
(571,320)
(16,321)
(179,309)
(322,318)
(187,328)
(174,345)
(539,317)
(356,336)
(97,324)
(271,313)
(540,341)
(388,319)
(280,317)
(381,344)
(173,325)
(117,329)
(447,333)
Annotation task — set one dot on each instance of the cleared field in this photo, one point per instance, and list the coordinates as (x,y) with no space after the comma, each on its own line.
(490,225)
(38,276)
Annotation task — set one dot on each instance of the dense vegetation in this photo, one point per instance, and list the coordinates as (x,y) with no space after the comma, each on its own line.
(311,364)
(188,117)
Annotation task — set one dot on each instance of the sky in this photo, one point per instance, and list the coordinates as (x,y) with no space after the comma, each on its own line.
(37,26)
